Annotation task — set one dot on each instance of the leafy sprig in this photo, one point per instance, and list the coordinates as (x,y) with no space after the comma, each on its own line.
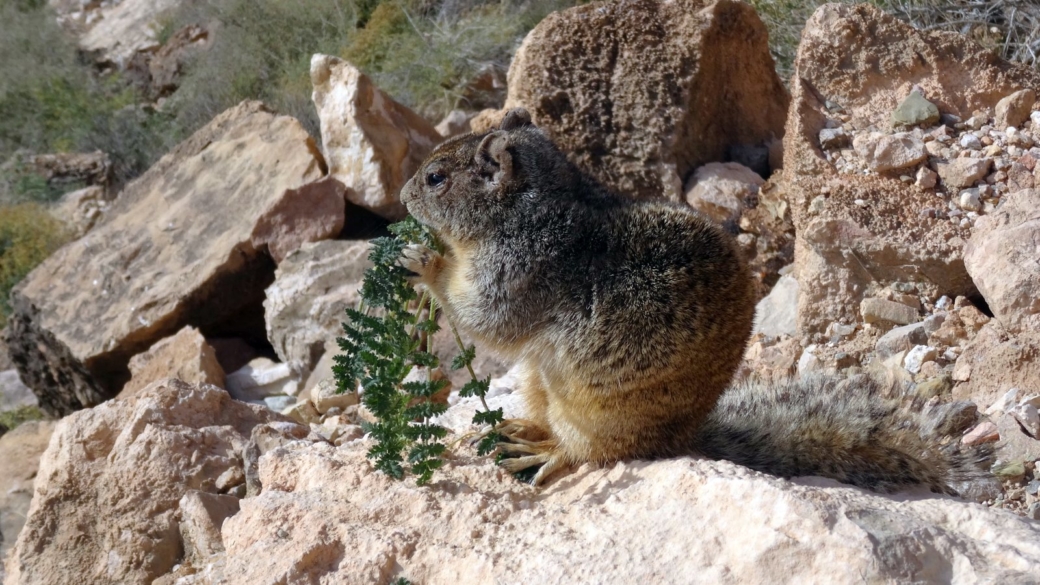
(382,342)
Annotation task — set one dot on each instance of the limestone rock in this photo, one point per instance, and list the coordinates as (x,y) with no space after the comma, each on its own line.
(261,378)
(123,28)
(175,250)
(621,516)
(82,209)
(325,397)
(639,93)
(185,356)
(901,339)
(110,483)
(889,152)
(985,432)
(268,437)
(1014,109)
(1001,258)
(455,123)
(995,361)
(92,168)
(961,173)
(882,311)
(311,213)
(201,516)
(373,144)
(866,63)
(720,190)
(777,313)
(305,305)
(20,452)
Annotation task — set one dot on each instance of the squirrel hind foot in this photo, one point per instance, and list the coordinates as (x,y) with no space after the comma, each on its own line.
(526,446)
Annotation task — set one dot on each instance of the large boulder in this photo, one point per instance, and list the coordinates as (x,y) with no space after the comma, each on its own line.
(325,516)
(109,485)
(1002,259)
(372,143)
(115,31)
(859,231)
(179,247)
(640,93)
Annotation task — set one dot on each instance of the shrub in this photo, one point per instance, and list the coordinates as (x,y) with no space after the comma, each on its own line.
(10,419)
(28,235)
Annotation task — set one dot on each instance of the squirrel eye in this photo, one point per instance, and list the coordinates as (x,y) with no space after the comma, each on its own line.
(434,179)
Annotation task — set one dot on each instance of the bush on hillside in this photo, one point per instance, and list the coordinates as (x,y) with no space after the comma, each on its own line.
(28,235)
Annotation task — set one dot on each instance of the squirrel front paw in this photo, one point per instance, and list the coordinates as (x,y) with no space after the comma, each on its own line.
(423,262)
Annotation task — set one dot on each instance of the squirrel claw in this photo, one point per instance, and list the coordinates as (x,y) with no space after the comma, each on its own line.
(549,462)
(421,261)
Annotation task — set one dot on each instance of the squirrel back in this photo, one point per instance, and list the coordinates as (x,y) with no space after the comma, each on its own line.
(629,320)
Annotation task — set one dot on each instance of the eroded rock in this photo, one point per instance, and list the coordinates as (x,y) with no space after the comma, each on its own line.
(110,483)
(639,93)
(175,250)
(185,356)
(373,144)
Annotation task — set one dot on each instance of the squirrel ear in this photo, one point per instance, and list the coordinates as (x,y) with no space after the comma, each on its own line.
(516,118)
(493,157)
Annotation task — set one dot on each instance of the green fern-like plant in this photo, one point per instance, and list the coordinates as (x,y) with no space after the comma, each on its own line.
(382,342)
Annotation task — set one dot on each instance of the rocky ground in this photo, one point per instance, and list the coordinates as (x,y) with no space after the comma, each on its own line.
(184,342)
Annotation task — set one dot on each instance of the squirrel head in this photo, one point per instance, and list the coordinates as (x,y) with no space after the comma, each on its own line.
(471,185)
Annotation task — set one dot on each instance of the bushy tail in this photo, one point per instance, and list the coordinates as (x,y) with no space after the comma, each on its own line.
(845,429)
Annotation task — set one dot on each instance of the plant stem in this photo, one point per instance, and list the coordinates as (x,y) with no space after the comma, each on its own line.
(469,366)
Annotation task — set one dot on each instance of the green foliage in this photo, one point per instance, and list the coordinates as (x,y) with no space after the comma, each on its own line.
(382,342)
(381,350)
(52,101)
(10,419)
(28,234)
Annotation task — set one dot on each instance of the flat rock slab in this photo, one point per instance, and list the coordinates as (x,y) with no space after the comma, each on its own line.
(326,516)
(176,249)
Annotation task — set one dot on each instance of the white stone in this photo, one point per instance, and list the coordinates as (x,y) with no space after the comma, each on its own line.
(1004,403)
(1027,416)
(969,200)
(970,141)
(261,378)
(917,356)
(777,313)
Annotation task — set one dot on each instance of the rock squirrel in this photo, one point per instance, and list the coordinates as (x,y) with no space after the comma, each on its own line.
(629,320)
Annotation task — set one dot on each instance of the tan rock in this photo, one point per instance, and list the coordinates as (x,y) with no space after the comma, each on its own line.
(92,168)
(961,173)
(325,396)
(985,432)
(120,29)
(867,62)
(322,498)
(881,311)
(110,483)
(889,152)
(201,516)
(650,90)
(306,304)
(1014,109)
(1001,258)
(185,356)
(82,209)
(312,213)
(176,249)
(373,144)
(720,190)
(995,361)
(20,452)
(454,123)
